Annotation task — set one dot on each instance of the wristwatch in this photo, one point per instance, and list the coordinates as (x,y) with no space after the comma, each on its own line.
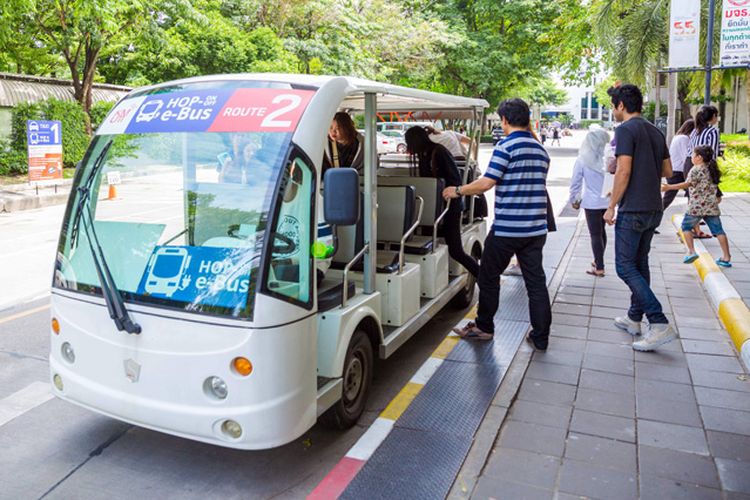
(458,190)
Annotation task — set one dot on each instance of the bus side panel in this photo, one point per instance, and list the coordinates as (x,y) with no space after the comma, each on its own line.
(335,330)
(158,379)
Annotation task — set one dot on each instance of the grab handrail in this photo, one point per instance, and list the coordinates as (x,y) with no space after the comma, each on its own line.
(409,233)
(435,226)
(345,294)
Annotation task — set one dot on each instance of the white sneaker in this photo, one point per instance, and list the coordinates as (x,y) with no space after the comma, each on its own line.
(627,324)
(658,335)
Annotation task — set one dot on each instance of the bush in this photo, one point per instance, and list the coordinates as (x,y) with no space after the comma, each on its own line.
(99,112)
(735,168)
(11,162)
(585,124)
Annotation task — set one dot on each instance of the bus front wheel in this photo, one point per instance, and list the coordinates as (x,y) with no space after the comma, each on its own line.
(357,379)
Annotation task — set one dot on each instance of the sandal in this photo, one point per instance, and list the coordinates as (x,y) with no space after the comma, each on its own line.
(471,332)
(723,263)
(596,272)
(689,259)
(700,235)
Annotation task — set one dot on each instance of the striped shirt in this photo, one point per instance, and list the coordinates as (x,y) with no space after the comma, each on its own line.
(519,167)
(708,137)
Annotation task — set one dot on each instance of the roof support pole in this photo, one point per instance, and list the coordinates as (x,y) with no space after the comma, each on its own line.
(371,191)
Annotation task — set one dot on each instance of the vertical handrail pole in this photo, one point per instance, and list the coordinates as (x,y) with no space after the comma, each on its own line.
(371,191)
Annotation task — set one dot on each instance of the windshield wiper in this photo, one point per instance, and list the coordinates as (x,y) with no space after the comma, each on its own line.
(112,296)
(98,162)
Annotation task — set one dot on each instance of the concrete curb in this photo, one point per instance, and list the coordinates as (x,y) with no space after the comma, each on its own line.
(728,303)
(11,201)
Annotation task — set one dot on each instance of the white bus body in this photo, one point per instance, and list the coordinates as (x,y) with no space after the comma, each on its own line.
(237,342)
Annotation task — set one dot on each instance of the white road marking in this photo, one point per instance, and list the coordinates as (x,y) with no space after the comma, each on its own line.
(24,400)
(370,440)
(426,371)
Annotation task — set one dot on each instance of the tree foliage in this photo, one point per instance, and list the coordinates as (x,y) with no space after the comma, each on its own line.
(489,48)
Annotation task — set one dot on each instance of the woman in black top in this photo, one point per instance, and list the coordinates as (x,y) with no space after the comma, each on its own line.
(434,160)
(345,146)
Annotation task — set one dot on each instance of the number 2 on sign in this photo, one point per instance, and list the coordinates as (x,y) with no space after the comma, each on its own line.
(271,121)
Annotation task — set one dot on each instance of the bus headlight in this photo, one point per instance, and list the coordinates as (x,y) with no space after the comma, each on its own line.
(231,429)
(57,380)
(68,353)
(216,387)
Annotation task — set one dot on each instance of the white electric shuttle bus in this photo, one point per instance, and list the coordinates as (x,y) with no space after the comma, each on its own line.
(210,283)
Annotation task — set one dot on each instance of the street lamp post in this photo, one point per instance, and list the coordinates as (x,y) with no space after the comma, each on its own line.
(709,51)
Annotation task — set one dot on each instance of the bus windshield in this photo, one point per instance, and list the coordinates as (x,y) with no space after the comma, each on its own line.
(179,209)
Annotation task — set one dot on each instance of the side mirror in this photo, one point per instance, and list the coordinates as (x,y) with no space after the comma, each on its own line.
(341,196)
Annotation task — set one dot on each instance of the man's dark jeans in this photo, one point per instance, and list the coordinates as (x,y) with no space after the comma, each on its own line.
(633,234)
(498,250)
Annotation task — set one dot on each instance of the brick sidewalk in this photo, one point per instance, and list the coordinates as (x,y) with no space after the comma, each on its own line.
(595,419)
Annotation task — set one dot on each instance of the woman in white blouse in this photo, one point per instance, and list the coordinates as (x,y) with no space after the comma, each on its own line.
(679,150)
(588,175)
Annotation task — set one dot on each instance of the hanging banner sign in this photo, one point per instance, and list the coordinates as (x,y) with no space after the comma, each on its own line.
(684,33)
(44,142)
(735,33)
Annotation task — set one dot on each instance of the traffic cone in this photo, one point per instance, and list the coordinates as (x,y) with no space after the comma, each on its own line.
(112,192)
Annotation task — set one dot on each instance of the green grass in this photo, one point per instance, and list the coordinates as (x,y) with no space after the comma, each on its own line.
(728,138)
(735,169)
(735,186)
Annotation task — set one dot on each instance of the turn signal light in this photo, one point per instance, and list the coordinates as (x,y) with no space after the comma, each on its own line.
(243,366)
(55,326)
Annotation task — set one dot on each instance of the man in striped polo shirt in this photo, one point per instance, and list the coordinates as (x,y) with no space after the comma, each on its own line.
(518,172)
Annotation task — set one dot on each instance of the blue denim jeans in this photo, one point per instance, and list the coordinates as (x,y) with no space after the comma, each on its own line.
(633,234)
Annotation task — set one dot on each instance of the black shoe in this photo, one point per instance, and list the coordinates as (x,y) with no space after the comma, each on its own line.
(656,231)
(533,343)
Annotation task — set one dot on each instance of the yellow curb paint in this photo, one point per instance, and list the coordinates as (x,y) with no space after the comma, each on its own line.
(472,313)
(402,401)
(23,314)
(736,317)
(445,347)
(705,265)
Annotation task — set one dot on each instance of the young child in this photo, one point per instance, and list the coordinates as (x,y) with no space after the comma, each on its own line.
(702,185)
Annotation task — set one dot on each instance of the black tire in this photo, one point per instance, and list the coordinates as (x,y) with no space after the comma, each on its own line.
(465,296)
(357,380)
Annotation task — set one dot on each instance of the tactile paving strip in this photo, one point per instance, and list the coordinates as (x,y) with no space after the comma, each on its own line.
(410,464)
(499,351)
(455,399)
(513,300)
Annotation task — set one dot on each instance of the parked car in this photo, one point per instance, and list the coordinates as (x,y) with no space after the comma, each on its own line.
(497,135)
(385,143)
(398,137)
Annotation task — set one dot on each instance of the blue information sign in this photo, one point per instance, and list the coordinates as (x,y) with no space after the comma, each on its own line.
(43,132)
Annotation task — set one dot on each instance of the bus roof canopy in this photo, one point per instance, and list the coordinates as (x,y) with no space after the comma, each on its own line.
(390,97)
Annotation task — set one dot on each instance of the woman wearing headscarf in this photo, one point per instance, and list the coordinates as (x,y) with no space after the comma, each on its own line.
(588,176)
(345,146)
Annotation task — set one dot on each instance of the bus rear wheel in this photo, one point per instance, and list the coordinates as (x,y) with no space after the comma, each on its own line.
(357,379)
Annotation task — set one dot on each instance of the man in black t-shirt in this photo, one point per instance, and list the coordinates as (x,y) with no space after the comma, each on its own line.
(642,160)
